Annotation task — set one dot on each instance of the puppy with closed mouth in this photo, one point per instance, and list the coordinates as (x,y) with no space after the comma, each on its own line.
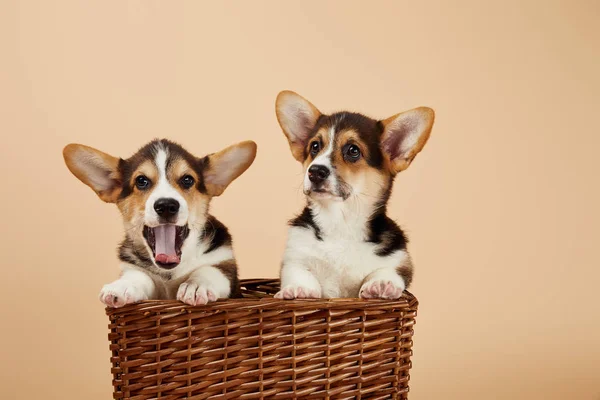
(343,244)
(173,247)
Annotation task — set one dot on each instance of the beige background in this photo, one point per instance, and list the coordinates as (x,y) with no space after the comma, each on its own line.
(501,207)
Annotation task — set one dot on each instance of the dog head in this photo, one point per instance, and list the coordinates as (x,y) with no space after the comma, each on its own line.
(162,191)
(348,154)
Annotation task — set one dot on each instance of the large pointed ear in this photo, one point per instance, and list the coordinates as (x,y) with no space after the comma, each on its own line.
(96,169)
(297,117)
(405,135)
(224,167)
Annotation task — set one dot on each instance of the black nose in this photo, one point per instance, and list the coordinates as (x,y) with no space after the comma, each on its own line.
(166,207)
(318,173)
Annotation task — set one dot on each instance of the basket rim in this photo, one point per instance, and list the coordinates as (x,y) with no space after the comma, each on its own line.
(266,302)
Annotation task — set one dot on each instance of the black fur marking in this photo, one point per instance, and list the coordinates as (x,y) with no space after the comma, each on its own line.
(217,234)
(204,166)
(229,269)
(406,273)
(383,230)
(387,234)
(306,220)
(134,254)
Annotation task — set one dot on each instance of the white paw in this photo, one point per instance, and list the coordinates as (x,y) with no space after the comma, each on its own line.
(298,292)
(117,294)
(195,294)
(380,290)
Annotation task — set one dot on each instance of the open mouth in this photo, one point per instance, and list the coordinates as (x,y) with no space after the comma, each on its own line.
(165,242)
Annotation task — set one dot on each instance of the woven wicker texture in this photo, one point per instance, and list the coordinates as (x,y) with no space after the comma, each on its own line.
(258,347)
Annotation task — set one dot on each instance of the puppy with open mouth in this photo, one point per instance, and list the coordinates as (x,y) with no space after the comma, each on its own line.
(343,244)
(173,247)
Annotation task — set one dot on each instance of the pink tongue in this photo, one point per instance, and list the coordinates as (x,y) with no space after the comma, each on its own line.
(164,236)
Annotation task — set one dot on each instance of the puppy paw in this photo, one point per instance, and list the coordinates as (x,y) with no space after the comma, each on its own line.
(298,292)
(117,294)
(195,294)
(381,290)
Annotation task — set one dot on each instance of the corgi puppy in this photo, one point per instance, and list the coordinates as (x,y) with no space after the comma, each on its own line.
(173,248)
(343,244)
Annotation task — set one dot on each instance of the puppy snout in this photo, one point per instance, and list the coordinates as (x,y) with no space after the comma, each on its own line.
(166,207)
(318,173)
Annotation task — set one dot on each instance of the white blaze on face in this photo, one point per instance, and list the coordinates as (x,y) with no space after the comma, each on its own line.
(163,189)
(324,158)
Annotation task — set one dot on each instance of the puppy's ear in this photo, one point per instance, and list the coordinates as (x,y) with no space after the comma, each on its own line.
(224,167)
(96,169)
(405,135)
(297,117)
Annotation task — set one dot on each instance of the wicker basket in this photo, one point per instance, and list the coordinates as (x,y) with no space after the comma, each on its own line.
(258,347)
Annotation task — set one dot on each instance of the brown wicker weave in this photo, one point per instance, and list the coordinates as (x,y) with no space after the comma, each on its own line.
(262,348)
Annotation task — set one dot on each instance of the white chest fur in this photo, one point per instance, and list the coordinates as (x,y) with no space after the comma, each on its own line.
(339,263)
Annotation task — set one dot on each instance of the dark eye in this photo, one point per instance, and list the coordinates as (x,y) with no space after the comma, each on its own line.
(314,148)
(142,182)
(353,152)
(187,181)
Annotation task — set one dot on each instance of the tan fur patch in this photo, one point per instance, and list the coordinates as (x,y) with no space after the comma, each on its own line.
(229,269)
(372,182)
(132,207)
(406,272)
(197,202)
